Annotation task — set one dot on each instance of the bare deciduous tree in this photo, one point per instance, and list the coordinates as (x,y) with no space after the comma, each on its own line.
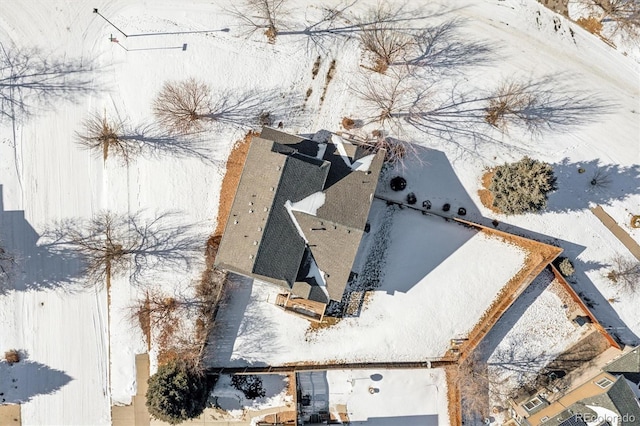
(392,99)
(623,14)
(510,104)
(625,274)
(103,135)
(380,36)
(169,316)
(161,308)
(181,105)
(112,244)
(474,383)
(264,15)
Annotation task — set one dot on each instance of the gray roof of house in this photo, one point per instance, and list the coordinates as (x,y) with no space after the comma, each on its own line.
(261,239)
(282,247)
(334,247)
(251,208)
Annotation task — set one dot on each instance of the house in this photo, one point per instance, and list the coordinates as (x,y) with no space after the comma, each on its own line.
(299,213)
(608,396)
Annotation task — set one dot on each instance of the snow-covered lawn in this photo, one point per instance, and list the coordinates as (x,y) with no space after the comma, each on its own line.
(83,357)
(390,397)
(435,288)
(537,329)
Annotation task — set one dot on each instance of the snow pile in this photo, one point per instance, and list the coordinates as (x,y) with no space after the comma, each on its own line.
(289,206)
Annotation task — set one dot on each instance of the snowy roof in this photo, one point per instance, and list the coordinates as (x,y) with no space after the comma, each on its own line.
(296,194)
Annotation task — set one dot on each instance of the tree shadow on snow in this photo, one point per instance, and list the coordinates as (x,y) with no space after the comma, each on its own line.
(153,245)
(25,264)
(24,380)
(582,183)
(325,27)
(31,79)
(255,108)
(443,49)
(155,142)
(458,118)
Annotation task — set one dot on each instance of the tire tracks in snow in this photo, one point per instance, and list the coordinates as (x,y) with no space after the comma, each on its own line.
(101,345)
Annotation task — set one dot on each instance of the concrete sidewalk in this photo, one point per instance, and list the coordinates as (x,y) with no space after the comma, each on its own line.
(10,414)
(616,230)
(135,414)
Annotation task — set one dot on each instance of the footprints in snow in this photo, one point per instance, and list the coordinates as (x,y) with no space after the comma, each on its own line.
(315,71)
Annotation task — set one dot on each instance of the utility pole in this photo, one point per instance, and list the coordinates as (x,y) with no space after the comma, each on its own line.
(95,10)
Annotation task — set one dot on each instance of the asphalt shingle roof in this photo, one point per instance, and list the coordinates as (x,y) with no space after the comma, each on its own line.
(261,239)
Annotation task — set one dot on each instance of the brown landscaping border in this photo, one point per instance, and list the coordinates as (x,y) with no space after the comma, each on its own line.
(558,276)
(539,256)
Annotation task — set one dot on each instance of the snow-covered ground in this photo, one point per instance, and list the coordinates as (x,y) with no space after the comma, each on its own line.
(390,397)
(431,267)
(529,336)
(233,401)
(63,327)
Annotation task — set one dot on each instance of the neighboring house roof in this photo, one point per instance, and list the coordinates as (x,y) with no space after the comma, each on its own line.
(573,421)
(269,237)
(627,365)
(615,401)
(621,400)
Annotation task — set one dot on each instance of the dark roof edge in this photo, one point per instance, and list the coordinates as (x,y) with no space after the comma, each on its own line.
(274,135)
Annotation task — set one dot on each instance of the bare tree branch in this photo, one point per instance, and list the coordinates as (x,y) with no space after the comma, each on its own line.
(181,106)
(380,37)
(103,135)
(114,245)
(267,15)
(625,274)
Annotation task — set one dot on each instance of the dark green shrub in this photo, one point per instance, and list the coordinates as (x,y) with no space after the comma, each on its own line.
(177,393)
(522,186)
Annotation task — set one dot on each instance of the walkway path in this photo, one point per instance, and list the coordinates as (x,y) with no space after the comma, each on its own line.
(135,414)
(616,230)
(10,415)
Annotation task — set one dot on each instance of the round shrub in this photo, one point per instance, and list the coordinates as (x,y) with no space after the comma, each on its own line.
(12,356)
(411,198)
(177,393)
(522,186)
(566,267)
(398,183)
